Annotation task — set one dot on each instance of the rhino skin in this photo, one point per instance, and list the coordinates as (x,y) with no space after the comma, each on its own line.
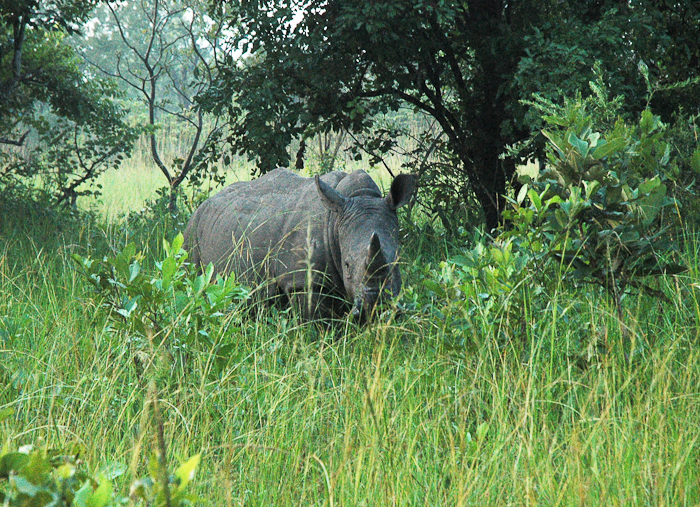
(327,244)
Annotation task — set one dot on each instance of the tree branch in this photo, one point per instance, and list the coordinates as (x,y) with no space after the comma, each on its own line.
(14,142)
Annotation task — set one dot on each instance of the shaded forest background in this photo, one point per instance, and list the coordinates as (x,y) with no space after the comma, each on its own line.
(448,86)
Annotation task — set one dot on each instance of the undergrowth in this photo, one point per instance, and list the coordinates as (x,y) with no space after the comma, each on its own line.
(490,387)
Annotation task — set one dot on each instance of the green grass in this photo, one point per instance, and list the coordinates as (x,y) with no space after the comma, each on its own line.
(137,180)
(544,406)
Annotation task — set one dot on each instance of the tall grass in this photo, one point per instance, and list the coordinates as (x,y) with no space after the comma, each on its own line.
(547,407)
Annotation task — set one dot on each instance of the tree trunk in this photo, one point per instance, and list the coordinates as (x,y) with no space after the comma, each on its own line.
(490,191)
(300,155)
(492,174)
(172,201)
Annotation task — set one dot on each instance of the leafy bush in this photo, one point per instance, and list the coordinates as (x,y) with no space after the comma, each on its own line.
(600,213)
(684,137)
(175,299)
(601,207)
(38,477)
(483,292)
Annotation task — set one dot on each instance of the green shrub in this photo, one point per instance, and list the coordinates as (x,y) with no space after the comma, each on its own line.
(601,207)
(174,301)
(600,214)
(483,292)
(38,477)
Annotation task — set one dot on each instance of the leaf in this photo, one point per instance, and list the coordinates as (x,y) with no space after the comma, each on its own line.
(129,307)
(606,148)
(648,122)
(24,486)
(134,270)
(695,161)
(522,193)
(129,251)
(652,204)
(435,287)
(78,259)
(555,142)
(102,495)
(82,495)
(579,145)
(209,272)
(37,468)
(14,461)
(667,155)
(644,70)
(168,269)
(535,198)
(66,471)
(481,431)
(528,172)
(462,261)
(113,470)
(185,473)
(6,413)
(199,284)
(561,218)
(648,186)
(591,187)
(177,244)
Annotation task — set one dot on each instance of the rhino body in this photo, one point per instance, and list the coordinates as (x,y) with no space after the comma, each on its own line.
(326,245)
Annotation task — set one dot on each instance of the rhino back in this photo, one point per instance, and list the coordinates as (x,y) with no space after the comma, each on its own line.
(355,184)
(263,229)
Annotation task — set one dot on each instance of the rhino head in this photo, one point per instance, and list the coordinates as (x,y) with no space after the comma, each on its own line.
(365,250)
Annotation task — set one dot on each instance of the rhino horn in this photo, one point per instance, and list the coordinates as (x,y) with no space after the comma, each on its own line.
(330,198)
(376,259)
(402,189)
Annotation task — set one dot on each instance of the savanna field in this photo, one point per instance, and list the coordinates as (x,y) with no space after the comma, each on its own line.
(484,385)
(542,350)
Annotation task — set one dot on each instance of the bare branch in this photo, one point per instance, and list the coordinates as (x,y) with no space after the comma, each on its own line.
(14,142)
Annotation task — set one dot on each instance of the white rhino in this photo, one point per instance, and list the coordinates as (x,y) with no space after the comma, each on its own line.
(327,245)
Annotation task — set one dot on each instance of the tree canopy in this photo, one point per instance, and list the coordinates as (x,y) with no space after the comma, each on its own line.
(55,120)
(327,64)
(162,53)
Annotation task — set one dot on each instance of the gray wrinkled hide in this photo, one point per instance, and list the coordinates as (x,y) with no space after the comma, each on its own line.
(285,233)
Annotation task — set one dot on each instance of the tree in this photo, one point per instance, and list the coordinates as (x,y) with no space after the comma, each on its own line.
(54,121)
(162,52)
(334,64)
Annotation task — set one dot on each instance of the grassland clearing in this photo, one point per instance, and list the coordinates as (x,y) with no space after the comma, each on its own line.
(517,400)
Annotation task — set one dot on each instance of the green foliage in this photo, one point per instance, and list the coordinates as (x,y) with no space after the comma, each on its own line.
(487,290)
(55,123)
(684,138)
(173,493)
(596,208)
(601,212)
(41,477)
(533,400)
(345,62)
(172,300)
(467,65)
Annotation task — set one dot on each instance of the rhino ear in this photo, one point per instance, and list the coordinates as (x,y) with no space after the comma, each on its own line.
(330,198)
(401,191)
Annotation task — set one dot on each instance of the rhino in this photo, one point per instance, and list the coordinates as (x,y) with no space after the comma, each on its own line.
(327,245)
